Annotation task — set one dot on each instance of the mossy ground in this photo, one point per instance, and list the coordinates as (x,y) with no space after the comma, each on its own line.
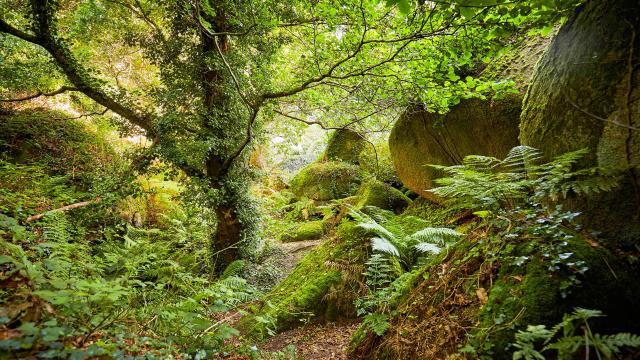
(306,292)
(306,231)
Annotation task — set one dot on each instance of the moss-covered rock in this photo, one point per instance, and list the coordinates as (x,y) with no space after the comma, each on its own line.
(306,231)
(377,160)
(474,126)
(536,295)
(326,181)
(345,145)
(446,303)
(305,293)
(581,97)
(379,194)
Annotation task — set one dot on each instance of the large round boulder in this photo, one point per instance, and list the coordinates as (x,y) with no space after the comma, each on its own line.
(345,145)
(326,181)
(584,94)
(474,126)
(378,194)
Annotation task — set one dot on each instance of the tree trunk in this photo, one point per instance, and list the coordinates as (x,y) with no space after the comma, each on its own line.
(227,237)
(230,230)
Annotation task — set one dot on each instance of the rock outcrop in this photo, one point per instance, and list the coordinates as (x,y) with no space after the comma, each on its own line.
(474,126)
(345,145)
(378,194)
(584,94)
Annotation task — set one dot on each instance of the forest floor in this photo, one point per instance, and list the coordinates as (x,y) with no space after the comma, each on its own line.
(326,341)
(312,341)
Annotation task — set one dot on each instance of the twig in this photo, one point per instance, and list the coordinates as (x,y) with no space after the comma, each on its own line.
(64,208)
(586,112)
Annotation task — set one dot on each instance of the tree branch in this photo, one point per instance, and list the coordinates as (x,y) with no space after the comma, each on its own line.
(64,208)
(40,93)
(47,38)
(141,14)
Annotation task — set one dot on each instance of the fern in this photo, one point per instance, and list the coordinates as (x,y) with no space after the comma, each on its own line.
(488,183)
(437,235)
(425,247)
(520,159)
(233,269)
(569,342)
(56,227)
(378,230)
(384,245)
(609,345)
(378,323)
(379,273)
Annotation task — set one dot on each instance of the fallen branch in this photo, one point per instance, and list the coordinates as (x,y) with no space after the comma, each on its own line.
(61,209)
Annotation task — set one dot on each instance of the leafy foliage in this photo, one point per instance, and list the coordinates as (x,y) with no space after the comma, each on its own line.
(123,290)
(568,343)
(487,183)
(383,271)
(396,242)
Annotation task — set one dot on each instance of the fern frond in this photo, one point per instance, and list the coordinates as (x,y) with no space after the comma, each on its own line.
(428,247)
(437,235)
(611,344)
(385,246)
(359,216)
(480,163)
(233,269)
(520,158)
(378,230)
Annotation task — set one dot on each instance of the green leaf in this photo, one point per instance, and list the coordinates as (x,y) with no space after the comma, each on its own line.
(467,12)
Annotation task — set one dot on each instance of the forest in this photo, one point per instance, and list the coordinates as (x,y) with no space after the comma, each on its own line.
(320,179)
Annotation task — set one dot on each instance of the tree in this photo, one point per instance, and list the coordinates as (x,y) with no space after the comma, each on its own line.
(218,70)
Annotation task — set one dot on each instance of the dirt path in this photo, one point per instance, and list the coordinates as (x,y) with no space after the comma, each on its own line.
(315,341)
(295,251)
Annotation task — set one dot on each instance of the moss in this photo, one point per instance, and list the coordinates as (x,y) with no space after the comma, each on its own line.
(305,292)
(518,63)
(534,295)
(306,231)
(327,181)
(436,215)
(376,193)
(47,137)
(379,163)
(345,145)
